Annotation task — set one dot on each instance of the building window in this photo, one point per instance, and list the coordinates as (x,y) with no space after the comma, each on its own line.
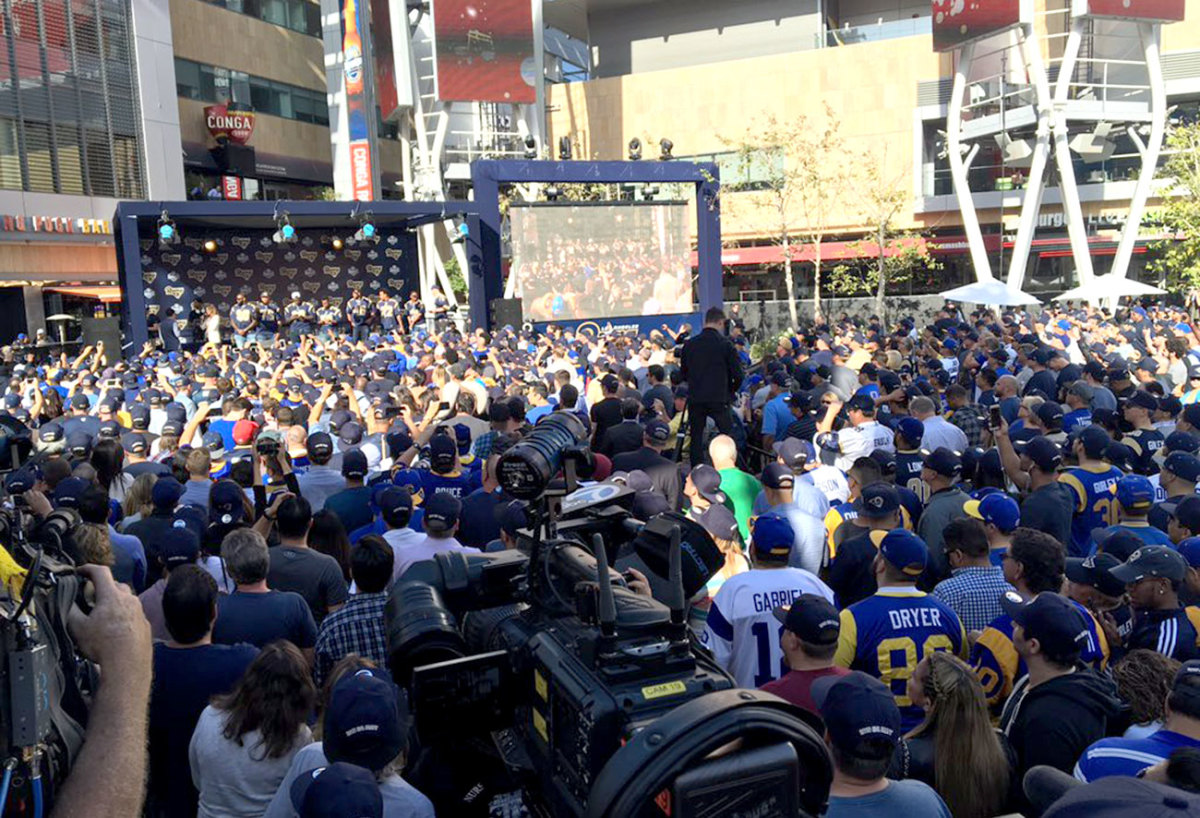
(208,83)
(739,172)
(75,98)
(298,15)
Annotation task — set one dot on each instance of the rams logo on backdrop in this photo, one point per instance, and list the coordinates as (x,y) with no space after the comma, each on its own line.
(393,254)
(152,309)
(197,275)
(374,269)
(354,284)
(244,273)
(222,290)
(311,286)
(240,241)
(354,255)
(396,283)
(171,259)
(174,292)
(150,277)
(268,288)
(331,271)
(264,257)
(308,255)
(337,302)
(288,272)
(221,258)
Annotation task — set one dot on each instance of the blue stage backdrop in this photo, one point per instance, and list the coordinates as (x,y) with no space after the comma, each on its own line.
(249,262)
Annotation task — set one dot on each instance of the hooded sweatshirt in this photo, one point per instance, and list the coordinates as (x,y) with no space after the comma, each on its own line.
(1056,721)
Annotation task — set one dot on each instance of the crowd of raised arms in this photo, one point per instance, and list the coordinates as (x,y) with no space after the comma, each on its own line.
(969,543)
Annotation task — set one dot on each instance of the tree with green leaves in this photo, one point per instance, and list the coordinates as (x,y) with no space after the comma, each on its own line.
(1179,257)
(801,171)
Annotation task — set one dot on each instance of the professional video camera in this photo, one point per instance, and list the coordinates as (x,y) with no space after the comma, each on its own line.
(598,700)
(43,685)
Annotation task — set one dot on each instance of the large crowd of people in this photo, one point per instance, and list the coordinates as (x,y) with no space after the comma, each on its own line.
(970,545)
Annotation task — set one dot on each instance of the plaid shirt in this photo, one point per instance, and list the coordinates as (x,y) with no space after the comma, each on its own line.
(482,448)
(973,593)
(969,418)
(357,627)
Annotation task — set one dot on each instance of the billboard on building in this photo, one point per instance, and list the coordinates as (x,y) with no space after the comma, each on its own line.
(1167,11)
(958,22)
(484,50)
(355,62)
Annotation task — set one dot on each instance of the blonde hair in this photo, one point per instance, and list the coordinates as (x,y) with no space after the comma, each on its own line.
(93,544)
(971,771)
(199,462)
(138,496)
(735,560)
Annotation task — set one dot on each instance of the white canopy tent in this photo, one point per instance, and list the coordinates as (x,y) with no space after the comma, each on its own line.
(1109,288)
(991,292)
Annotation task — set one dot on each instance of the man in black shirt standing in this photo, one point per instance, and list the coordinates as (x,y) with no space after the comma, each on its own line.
(607,412)
(711,367)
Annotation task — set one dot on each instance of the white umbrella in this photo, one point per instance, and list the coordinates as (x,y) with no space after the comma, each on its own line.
(1109,287)
(992,292)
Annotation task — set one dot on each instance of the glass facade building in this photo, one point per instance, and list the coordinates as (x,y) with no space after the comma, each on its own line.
(69,117)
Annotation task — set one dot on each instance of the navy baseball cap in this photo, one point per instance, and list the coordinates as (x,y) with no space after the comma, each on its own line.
(178,545)
(350,433)
(1094,439)
(1186,512)
(1182,442)
(68,491)
(320,444)
(1142,400)
(794,452)
(354,464)
(857,708)
(515,516)
(707,481)
(225,502)
(771,536)
(996,508)
(1135,493)
(1189,549)
(903,549)
(1051,619)
(443,452)
(878,500)
(50,433)
(1044,453)
(719,521)
(1050,414)
(365,720)
(79,443)
(393,500)
(109,429)
(166,492)
(1096,572)
(215,444)
(135,443)
(337,791)
(442,512)
(658,431)
(799,400)
(778,476)
(812,618)
(912,429)
(1183,465)
(1120,542)
(1122,796)
(943,461)
(1150,562)
(861,403)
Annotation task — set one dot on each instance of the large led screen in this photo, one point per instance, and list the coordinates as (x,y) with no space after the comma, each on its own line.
(484,50)
(958,22)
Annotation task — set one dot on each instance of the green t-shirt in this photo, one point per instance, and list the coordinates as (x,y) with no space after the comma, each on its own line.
(741,490)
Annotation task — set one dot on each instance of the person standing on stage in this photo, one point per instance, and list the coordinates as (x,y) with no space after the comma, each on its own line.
(243,318)
(389,319)
(414,310)
(358,313)
(441,309)
(298,315)
(713,372)
(327,319)
(268,320)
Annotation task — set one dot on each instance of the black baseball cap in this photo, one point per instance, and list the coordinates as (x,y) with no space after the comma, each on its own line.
(1183,465)
(442,511)
(1044,453)
(1142,400)
(443,452)
(878,500)
(811,618)
(794,452)
(861,403)
(365,720)
(707,481)
(1094,440)
(1150,562)
(658,431)
(354,463)
(1051,619)
(178,545)
(778,476)
(1186,512)
(320,443)
(337,791)
(857,708)
(393,500)
(943,461)
(1095,572)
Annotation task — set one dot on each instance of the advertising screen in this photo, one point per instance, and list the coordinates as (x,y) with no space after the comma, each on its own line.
(484,50)
(1165,10)
(578,261)
(958,22)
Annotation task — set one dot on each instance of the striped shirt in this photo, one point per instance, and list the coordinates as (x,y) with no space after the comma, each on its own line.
(1129,756)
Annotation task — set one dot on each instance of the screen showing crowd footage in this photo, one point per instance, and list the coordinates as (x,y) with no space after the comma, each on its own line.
(574,262)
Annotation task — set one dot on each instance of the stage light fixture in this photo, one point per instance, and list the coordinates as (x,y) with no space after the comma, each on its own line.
(564,148)
(210,246)
(285,231)
(635,149)
(366,230)
(168,233)
(666,146)
(553,192)
(649,192)
(531,149)
(337,243)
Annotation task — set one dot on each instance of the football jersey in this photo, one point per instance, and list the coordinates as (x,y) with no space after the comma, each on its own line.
(458,486)
(1169,632)
(1129,756)
(908,474)
(1145,444)
(1095,504)
(887,635)
(741,630)
(853,442)
(996,663)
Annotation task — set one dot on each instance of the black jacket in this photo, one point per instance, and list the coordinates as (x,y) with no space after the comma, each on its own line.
(1056,721)
(663,473)
(626,436)
(711,367)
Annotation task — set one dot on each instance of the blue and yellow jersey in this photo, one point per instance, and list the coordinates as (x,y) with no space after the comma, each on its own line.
(1095,504)
(840,513)
(887,635)
(908,474)
(996,663)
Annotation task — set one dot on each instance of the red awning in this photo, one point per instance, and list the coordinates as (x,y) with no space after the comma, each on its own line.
(104,294)
(830,251)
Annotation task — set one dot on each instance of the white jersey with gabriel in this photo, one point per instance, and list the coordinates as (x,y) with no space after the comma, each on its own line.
(741,631)
(853,442)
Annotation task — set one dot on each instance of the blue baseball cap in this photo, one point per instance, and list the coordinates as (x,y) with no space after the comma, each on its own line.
(177,545)
(443,452)
(1182,442)
(393,500)
(1135,492)
(996,508)
(1121,796)
(1189,549)
(1183,465)
(1051,619)
(771,536)
(1094,439)
(1152,561)
(225,502)
(365,720)
(912,429)
(857,708)
(166,492)
(903,549)
(878,500)
(68,492)
(337,791)
(1044,453)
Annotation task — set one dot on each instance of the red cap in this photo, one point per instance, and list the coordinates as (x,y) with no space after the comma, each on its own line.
(244,431)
